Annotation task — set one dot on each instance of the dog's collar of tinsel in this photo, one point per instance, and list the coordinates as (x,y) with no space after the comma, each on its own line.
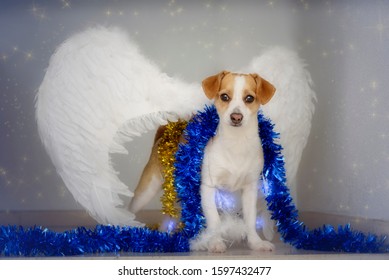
(37,241)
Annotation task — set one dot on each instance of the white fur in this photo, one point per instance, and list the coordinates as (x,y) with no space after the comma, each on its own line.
(99,91)
(233,160)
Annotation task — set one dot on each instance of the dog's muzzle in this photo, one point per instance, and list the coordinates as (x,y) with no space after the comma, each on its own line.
(236,119)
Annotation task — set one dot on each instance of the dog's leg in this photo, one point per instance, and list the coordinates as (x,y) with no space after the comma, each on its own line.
(267,225)
(249,201)
(151,179)
(149,188)
(267,222)
(149,185)
(215,243)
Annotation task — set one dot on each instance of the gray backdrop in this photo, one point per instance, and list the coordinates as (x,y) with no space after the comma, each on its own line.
(345,44)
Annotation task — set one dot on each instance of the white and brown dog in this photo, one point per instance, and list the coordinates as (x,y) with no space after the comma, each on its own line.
(233,158)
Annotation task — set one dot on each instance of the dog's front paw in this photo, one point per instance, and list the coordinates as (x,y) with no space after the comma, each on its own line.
(216,246)
(261,245)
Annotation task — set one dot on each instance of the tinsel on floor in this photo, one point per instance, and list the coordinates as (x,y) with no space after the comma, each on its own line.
(38,241)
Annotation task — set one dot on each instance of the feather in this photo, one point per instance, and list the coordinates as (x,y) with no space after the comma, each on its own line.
(99,92)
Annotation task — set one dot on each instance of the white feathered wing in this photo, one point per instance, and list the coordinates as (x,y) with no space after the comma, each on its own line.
(98,92)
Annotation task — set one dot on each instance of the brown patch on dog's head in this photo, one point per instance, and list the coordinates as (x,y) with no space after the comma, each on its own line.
(264,90)
(226,92)
(211,85)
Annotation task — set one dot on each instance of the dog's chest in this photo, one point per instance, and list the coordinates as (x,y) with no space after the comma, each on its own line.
(232,164)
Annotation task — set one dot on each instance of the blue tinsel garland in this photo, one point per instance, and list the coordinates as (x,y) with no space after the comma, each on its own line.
(37,241)
(293,231)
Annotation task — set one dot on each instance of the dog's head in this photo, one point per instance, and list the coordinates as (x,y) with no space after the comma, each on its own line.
(237,96)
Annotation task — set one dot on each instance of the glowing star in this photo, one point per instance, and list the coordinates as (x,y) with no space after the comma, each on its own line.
(308,41)
(305,5)
(176,12)
(66,4)
(374,102)
(373,84)
(28,56)
(38,12)
(259,223)
(3,172)
(169,225)
(225,201)
(379,27)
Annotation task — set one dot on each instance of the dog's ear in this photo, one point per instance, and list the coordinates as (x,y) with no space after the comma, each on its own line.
(264,90)
(211,85)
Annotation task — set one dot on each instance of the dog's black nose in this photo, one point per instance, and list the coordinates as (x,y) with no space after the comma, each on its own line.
(236,118)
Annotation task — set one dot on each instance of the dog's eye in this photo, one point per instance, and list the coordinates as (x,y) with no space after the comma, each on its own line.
(249,99)
(224,97)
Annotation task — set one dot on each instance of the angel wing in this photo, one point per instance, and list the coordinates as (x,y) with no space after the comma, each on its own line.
(292,107)
(98,92)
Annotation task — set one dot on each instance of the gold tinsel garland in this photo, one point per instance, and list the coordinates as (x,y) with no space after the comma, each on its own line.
(166,152)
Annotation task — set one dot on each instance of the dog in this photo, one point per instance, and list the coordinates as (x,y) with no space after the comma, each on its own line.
(233,158)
